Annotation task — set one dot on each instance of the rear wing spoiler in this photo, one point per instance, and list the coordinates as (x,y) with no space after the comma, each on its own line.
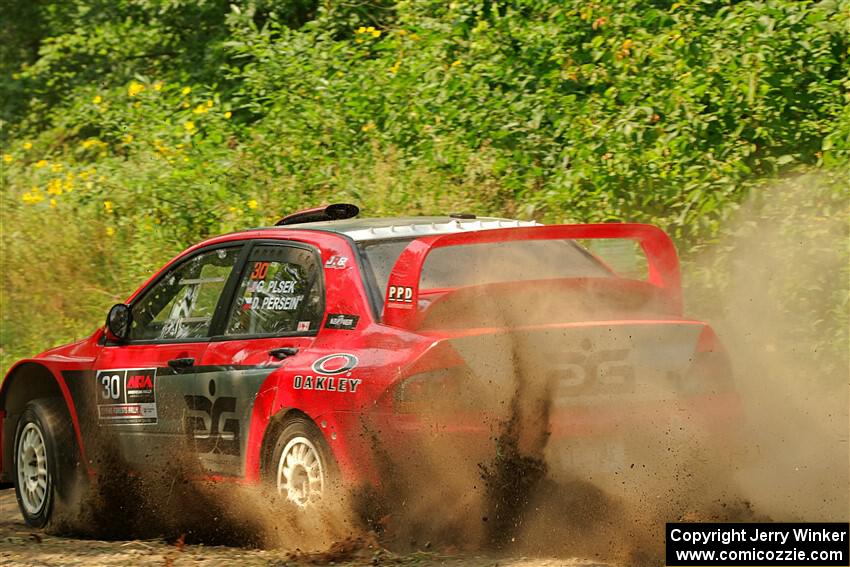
(401,301)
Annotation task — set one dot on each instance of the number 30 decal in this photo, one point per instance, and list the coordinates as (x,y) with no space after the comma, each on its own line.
(260,269)
(111,387)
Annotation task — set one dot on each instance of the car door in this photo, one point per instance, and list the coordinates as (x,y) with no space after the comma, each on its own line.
(144,386)
(273,318)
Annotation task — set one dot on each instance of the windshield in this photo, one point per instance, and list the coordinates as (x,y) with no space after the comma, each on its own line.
(478,264)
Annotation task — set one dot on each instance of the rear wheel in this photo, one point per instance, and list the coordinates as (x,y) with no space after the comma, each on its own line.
(301,468)
(44,456)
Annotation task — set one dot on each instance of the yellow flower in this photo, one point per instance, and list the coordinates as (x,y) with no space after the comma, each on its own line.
(456,63)
(200,109)
(185,105)
(376,33)
(52,203)
(157,86)
(68,184)
(368,126)
(8,158)
(97,100)
(135,88)
(189,126)
(402,32)
(209,104)
(228,114)
(32,196)
(27,146)
(41,163)
(394,69)
(361,29)
(110,231)
(90,143)
(56,167)
(252,204)
(128,138)
(55,187)
(186,90)
(107,205)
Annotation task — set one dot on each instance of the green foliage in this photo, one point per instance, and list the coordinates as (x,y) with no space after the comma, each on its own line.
(140,126)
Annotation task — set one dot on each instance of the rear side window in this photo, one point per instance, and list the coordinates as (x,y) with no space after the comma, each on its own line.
(181,305)
(279,293)
(481,264)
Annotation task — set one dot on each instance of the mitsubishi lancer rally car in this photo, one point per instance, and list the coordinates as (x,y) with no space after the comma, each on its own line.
(276,356)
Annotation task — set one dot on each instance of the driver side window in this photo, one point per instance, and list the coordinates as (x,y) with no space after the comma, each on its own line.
(181,305)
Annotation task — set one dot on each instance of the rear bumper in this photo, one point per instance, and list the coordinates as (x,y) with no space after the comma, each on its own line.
(667,434)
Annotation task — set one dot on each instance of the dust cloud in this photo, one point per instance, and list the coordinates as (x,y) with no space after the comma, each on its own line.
(574,466)
(783,315)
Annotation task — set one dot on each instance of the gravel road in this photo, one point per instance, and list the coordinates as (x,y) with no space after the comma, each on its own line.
(21,545)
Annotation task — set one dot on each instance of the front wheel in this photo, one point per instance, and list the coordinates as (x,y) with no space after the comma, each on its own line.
(42,474)
(301,467)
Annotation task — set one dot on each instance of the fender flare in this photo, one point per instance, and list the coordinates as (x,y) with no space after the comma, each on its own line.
(49,383)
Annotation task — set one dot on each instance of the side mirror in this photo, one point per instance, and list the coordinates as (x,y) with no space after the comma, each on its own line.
(118,322)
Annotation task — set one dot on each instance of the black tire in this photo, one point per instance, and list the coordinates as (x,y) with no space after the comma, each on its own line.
(302,428)
(47,418)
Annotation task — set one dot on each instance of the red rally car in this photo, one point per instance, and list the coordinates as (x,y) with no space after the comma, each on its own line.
(263,354)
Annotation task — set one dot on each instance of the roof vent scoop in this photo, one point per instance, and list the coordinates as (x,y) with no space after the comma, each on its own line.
(337,211)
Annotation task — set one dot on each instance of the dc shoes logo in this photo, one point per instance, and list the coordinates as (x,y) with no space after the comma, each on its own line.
(587,371)
(212,425)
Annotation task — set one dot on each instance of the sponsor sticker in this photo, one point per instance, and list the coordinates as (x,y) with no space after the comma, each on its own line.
(212,424)
(333,374)
(326,383)
(342,321)
(400,294)
(126,396)
(337,262)
(303,326)
(334,364)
